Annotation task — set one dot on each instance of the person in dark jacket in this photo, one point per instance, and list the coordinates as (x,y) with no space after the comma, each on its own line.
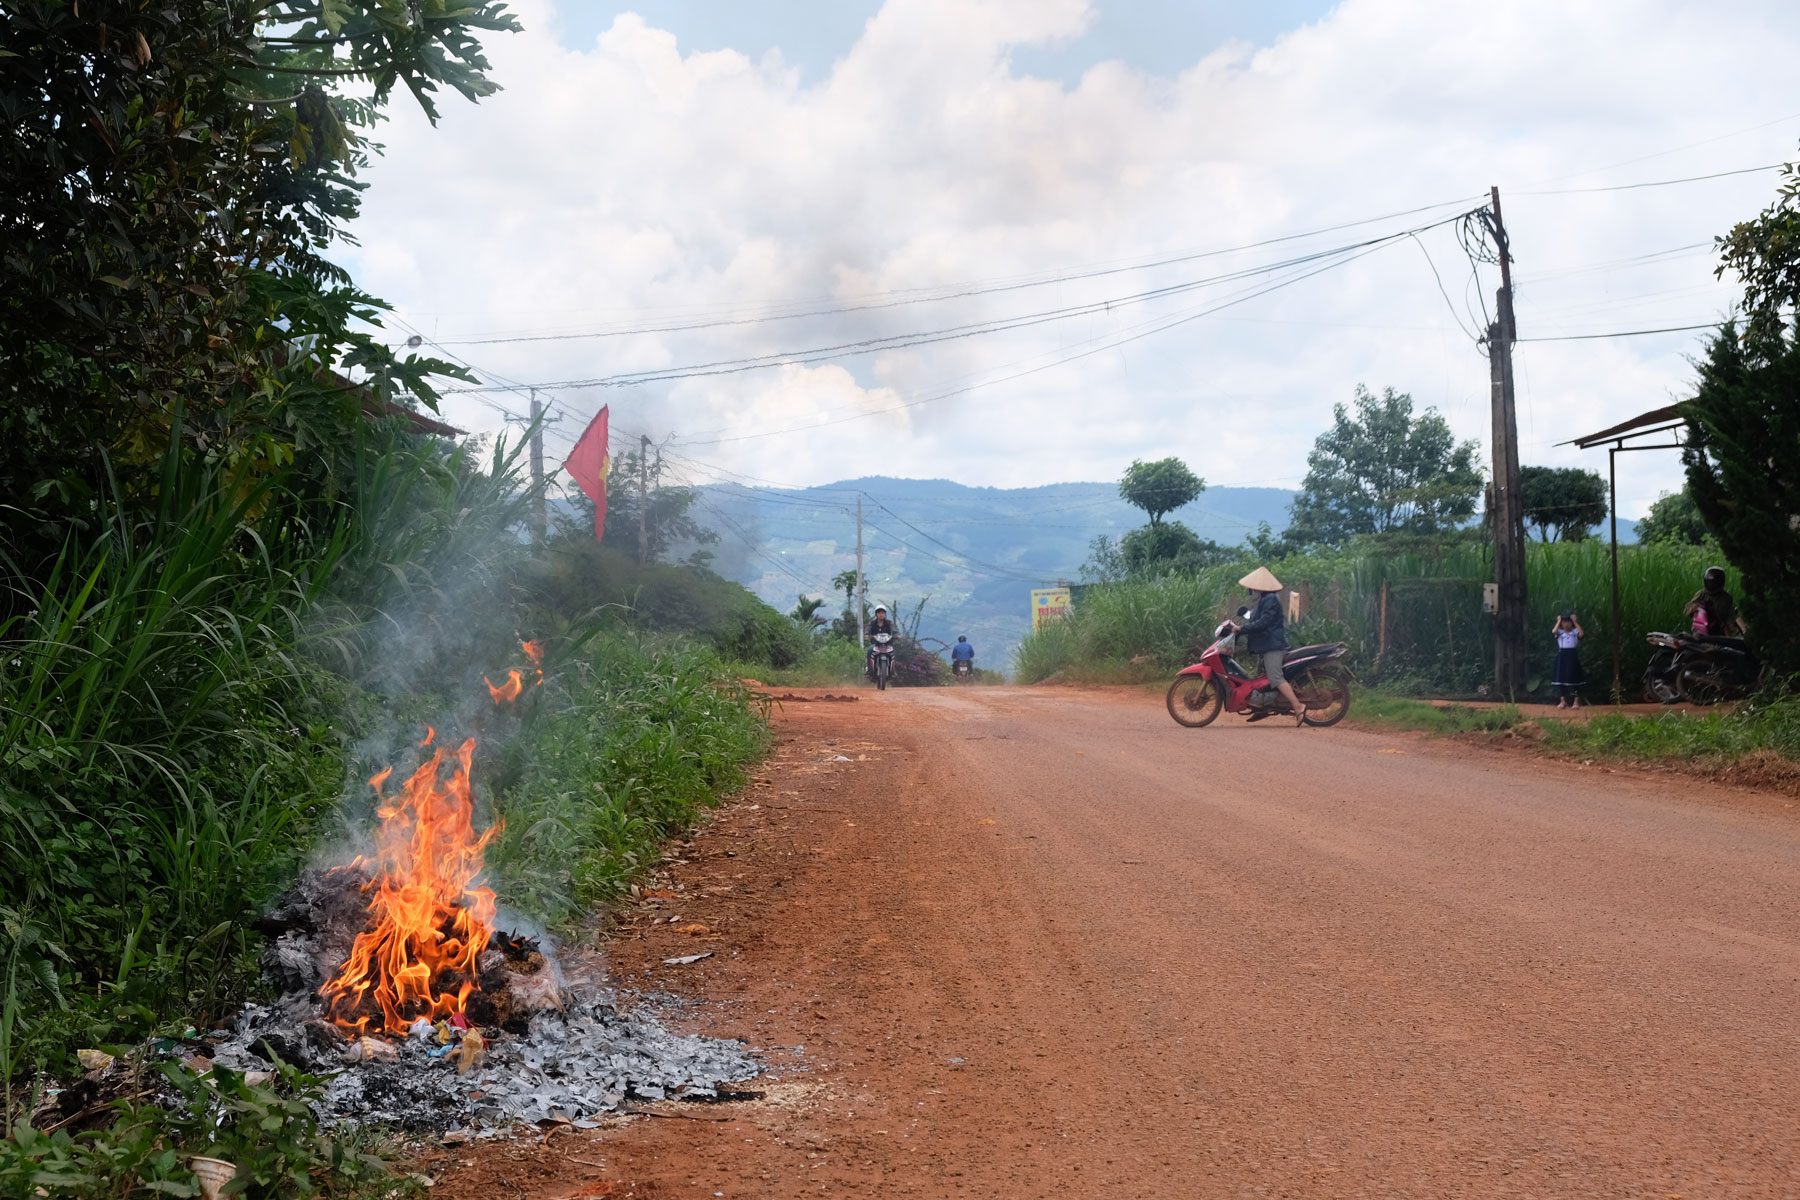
(1720,611)
(880,624)
(1266,628)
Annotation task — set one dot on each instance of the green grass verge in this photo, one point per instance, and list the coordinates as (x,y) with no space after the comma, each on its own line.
(1765,728)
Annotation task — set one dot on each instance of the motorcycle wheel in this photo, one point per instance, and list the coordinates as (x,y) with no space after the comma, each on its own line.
(1194,701)
(1701,687)
(881,674)
(1326,694)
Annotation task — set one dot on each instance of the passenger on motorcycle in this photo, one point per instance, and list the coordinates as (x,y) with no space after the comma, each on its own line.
(1712,610)
(880,624)
(1266,627)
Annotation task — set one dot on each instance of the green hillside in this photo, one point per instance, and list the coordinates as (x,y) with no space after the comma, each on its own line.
(976,551)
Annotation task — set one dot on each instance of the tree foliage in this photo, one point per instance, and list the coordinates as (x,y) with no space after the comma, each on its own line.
(1743,425)
(1764,253)
(1159,487)
(1380,470)
(1674,517)
(1744,475)
(1562,503)
(634,482)
(1170,546)
(175,174)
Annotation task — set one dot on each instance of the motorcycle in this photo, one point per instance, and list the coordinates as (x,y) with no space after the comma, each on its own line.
(881,661)
(962,670)
(1218,684)
(1699,668)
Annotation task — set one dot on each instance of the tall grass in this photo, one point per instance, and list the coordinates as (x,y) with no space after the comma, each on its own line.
(634,738)
(158,739)
(1435,638)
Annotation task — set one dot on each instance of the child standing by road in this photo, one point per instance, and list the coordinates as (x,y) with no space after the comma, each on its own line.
(1569,677)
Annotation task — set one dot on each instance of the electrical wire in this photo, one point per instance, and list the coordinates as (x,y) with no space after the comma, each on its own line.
(1653,183)
(1587,337)
(952,291)
(951,333)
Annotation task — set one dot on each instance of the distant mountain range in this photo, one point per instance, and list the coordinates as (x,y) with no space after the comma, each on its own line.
(977,552)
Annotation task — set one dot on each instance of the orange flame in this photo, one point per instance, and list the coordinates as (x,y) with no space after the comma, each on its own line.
(535,652)
(507,691)
(430,734)
(428,919)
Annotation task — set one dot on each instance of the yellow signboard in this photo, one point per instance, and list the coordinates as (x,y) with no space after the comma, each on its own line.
(1047,605)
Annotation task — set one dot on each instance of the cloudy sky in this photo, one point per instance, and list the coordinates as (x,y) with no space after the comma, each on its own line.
(1172,212)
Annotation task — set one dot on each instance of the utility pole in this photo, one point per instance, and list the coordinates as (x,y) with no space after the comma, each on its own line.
(643,498)
(540,521)
(1508,514)
(862,591)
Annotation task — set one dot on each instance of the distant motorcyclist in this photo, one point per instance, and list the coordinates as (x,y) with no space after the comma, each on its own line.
(1712,609)
(878,624)
(1266,627)
(962,655)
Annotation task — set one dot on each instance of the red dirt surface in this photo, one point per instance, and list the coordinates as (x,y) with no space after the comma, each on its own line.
(1022,943)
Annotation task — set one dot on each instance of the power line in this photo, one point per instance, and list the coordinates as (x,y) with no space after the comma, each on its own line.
(955,291)
(815,354)
(1153,329)
(1653,183)
(1586,337)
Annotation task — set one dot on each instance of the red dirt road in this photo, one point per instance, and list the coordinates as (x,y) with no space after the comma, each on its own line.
(1039,942)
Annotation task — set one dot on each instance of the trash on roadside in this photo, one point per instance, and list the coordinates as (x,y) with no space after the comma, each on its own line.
(94,1060)
(685,959)
(371,1049)
(212,1174)
(473,1047)
(420,1028)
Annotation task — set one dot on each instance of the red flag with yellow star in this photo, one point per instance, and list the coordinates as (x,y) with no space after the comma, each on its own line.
(588,463)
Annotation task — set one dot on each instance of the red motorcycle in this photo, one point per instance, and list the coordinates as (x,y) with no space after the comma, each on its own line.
(1217,684)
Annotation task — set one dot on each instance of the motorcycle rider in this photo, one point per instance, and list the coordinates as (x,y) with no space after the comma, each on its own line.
(1715,602)
(1266,627)
(962,652)
(880,624)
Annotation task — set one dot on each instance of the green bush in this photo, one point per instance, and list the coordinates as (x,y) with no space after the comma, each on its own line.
(579,580)
(269,1133)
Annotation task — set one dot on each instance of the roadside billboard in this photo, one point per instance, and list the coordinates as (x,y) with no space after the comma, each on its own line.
(1047,605)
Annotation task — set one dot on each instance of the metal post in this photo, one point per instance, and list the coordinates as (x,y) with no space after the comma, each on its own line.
(862,591)
(540,522)
(643,498)
(1612,475)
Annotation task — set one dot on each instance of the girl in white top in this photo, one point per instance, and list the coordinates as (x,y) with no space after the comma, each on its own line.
(1569,678)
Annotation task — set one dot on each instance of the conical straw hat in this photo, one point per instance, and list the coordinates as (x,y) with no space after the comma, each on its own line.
(1261,580)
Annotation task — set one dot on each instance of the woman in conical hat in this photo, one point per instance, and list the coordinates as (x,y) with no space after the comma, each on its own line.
(1266,627)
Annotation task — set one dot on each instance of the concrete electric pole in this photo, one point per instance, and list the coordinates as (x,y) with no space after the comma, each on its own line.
(1508,511)
(643,498)
(862,591)
(540,522)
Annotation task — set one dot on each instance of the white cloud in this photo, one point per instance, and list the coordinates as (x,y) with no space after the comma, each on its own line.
(633,185)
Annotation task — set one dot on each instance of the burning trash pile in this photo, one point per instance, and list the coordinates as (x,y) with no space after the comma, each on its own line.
(394,975)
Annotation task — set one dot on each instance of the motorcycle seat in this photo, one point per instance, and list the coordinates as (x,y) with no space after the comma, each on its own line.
(1299,652)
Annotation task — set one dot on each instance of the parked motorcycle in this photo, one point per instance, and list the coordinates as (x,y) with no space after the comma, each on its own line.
(1699,668)
(962,670)
(881,661)
(1218,684)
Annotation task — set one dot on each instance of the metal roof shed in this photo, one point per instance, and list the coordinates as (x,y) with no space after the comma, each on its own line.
(1667,422)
